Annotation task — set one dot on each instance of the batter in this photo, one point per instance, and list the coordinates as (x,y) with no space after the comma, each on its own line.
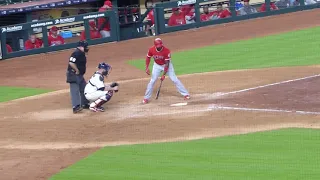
(162,63)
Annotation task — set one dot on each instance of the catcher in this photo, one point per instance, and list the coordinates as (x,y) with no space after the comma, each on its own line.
(96,91)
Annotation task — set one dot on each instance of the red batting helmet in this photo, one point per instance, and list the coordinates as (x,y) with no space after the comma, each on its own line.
(158,43)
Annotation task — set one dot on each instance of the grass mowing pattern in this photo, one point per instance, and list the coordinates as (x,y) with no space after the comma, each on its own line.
(10,93)
(279,154)
(289,49)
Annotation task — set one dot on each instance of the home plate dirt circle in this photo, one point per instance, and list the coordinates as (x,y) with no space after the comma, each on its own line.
(179,104)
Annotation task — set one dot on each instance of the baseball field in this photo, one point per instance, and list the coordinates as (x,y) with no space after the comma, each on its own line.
(254,111)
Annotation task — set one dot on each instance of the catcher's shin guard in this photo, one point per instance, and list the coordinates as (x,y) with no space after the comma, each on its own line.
(102,100)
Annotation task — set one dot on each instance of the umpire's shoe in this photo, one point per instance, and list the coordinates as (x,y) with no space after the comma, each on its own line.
(77,109)
(86,106)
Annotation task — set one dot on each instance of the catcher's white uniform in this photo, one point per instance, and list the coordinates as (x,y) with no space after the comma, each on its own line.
(95,88)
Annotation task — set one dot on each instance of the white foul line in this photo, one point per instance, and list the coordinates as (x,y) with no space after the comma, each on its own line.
(268,85)
(212,107)
(263,110)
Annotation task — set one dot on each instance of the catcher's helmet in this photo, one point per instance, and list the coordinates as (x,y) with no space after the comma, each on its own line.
(84,44)
(106,67)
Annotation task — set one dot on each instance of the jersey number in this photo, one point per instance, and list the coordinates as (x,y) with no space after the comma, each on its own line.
(72,59)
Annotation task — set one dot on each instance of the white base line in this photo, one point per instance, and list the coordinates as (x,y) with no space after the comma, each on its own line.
(263,110)
(268,85)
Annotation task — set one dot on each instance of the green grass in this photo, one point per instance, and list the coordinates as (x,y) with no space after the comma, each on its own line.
(295,48)
(11,93)
(280,154)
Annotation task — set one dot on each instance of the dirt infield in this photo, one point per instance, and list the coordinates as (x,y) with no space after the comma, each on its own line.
(299,95)
(39,136)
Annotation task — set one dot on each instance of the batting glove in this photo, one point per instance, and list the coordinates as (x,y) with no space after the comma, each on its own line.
(148,71)
(162,77)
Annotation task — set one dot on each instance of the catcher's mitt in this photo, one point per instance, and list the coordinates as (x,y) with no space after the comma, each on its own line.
(114,84)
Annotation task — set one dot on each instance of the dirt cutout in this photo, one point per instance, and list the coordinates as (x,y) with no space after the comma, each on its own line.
(40,135)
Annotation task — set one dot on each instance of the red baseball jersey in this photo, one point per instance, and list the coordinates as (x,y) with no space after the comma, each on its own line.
(187,8)
(54,41)
(225,13)
(94,34)
(150,17)
(29,45)
(176,20)
(9,49)
(102,20)
(191,15)
(221,14)
(272,7)
(205,17)
(160,57)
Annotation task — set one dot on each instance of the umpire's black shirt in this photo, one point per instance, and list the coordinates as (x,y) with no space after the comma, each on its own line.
(79,58)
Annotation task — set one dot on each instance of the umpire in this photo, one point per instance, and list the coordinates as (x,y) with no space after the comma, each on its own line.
(76,70)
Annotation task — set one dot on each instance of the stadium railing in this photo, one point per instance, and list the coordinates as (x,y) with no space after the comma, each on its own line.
(162,10)
(45,25)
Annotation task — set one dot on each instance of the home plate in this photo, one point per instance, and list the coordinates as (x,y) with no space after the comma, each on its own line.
(179,104)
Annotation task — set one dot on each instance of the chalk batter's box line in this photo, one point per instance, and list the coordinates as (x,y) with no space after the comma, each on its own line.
(213,107)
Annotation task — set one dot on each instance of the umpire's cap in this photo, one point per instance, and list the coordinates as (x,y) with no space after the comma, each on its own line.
(84,44)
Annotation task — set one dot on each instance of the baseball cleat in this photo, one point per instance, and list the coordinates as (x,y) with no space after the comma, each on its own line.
(145,101)
(93,109)
(186,97)
(101,109)
(77,109)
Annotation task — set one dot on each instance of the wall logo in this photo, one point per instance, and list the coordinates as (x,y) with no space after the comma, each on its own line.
(11,29)
(93,16)
(65,20)
(42,24)
(187,2)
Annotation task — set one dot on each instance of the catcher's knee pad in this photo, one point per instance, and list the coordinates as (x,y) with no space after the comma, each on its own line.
(102,100)
(108,96)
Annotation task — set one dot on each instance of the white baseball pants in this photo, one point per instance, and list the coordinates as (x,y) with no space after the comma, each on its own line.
(96,95)
(156,71)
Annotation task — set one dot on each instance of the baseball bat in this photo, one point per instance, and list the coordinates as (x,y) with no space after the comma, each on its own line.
(158,92)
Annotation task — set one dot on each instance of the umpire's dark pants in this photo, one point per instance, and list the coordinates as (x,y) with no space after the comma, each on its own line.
(77,91)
